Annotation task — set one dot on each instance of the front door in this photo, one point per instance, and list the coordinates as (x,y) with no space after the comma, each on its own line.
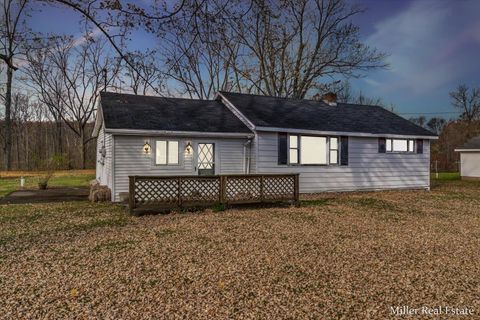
(206,159)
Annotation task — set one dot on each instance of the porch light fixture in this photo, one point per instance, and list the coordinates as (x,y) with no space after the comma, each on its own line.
(146,148)
(188,149)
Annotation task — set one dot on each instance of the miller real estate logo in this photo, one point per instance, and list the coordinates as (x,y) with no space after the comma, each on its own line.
(431,311)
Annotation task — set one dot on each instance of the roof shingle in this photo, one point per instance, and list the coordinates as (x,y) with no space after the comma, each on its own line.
(128,111)
(276,112)
(473,143)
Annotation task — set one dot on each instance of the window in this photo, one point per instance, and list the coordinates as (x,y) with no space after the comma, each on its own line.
(293,149)
(400,145)
(166,152)
(313,150)
(333,150)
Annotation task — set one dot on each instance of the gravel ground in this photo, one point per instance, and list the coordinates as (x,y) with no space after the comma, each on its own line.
(337,256)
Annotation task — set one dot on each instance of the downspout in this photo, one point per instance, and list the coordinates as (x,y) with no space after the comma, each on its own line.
(246,156)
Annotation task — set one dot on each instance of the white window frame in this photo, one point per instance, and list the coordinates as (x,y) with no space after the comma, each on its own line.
(299,146)
(297,149)
(167,150)
(330,149)
(411,146)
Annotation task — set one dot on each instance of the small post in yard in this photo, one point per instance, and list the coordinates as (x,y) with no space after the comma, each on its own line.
(22,182)
(296,186)
(436,169)
(262,196)
(131,193)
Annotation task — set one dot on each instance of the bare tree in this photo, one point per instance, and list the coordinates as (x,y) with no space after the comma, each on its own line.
(468,101)
(115,18)
(279,48)
(68,77)
(145,74)
(419,121)
(12,32)
(436,125)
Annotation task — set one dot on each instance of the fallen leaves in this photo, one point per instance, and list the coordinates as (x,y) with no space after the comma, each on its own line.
(336,256)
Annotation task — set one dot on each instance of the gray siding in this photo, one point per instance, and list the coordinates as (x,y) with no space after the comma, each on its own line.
(129,159)
(470,164)
(104,170)
(367,169)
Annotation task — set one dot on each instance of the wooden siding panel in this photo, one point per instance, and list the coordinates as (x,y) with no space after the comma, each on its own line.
(367,169)
(129,159)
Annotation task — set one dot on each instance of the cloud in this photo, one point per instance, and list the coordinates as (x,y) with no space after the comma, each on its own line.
(96,33)
(430,43)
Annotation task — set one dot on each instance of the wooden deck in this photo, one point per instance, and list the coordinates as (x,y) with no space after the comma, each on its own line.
(187,191)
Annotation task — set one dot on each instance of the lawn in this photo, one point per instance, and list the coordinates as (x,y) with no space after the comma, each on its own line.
(351,256)
(10,181)
(446,176)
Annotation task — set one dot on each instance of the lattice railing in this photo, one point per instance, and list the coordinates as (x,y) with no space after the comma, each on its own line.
(180,191)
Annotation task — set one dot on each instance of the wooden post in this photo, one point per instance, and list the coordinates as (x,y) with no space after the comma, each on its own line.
(262,197)
(131,194)
(223,189)
(179,184)
(296,186)
(220,189)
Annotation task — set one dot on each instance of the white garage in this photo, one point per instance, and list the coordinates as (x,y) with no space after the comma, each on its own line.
(470,159)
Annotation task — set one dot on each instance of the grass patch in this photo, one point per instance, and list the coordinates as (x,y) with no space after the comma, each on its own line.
(446,176)
(219,207)
(11,183)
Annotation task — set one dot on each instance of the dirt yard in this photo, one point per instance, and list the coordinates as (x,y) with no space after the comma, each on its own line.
(350,256)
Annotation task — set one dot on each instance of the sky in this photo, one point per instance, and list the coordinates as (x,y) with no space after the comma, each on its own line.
(433,46)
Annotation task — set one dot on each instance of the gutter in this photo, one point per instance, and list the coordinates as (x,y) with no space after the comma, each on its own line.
(135,132)
(467,150)
(344,133)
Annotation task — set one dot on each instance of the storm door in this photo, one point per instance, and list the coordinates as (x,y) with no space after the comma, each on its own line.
(206,159)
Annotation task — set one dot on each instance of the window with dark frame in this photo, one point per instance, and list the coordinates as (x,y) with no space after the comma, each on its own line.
(400,146)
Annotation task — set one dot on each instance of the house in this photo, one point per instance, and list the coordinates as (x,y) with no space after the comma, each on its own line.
(470,159)
(333,146)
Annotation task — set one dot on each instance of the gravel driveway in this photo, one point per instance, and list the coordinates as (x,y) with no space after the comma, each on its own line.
(350,256)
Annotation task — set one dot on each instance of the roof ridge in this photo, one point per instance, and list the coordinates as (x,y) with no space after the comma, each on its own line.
(149,96)
(304,99)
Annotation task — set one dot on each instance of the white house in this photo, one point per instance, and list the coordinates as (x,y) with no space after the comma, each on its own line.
(470,159)
(333,146)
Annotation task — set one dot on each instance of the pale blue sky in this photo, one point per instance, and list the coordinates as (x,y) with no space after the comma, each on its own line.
(434,45)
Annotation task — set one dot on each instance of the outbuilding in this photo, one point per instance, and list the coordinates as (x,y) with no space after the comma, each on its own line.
(470,159)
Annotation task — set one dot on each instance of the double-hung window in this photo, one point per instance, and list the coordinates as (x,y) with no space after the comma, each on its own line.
(166,152)
(333,150)
(293,148)
(400,145)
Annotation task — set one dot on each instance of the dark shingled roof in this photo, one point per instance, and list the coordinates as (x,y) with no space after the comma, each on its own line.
(127,111)
(275,112)
(473,143)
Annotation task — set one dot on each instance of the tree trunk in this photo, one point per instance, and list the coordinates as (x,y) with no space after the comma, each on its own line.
(82,148)
(59,148)
(8,123)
